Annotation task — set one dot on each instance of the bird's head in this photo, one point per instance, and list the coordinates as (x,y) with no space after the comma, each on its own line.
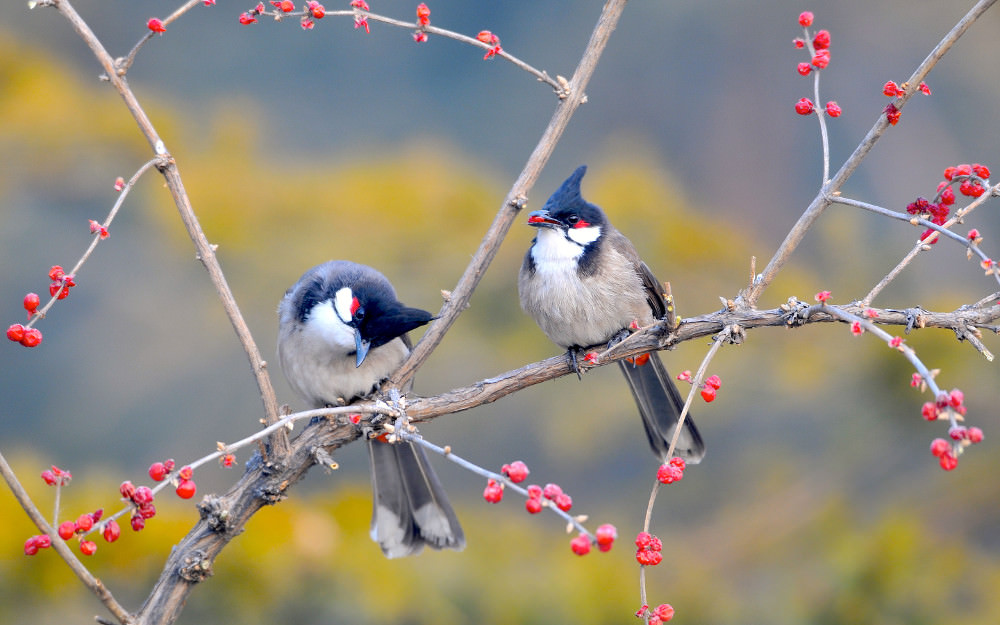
(567,213)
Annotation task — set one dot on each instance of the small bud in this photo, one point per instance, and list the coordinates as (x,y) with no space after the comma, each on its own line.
(806,19)
(156,25)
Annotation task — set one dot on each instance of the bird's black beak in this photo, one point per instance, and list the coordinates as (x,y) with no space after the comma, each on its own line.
(362,347)
(542,219)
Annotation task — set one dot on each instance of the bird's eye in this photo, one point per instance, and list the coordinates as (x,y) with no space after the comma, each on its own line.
(572,219)
(359,314)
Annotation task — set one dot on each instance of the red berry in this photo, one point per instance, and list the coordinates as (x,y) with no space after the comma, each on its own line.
(963,170)
(821,59)
(245,19)
(361,4)
(973,234)
(186,489)
(533,505)
(111,531)
(44,541)
(605,536)
(564,502)
(708,394)
(948,196)
(517,471)
(805,19)
(156,25)
(66,530)
(142,495)
(957,433)
(157,471)
(822,297)
(316,9)
(940,447)
(684,376)
(31,302)
(229,459)
(97,514)
(551,491)
(891,89)
(975,435)
(15,332)
(981,170)
(643,540)
(804,106)
(856,328)
(49,477)
(186,473)
(805,68)
(924,88)
(892,114)
(88,547)
(493,492)
(119,183)
(956,398)
(535,491)
(580,545)
(929,411)
(147,510)
(948,462)
(648,558)
(31,546)
(799,43)
(714,381)
(678,462)
(32,337)
(127,489)
(833,109)
(664,612)
(137,522)
(84,522)
(822,40)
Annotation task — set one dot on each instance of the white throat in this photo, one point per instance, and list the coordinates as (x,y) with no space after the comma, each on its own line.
(552,248)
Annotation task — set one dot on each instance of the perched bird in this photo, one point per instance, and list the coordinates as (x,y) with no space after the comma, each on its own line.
(583,283)
(342,332)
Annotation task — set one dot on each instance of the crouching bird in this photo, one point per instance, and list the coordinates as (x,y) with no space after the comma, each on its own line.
(342,332)
(583,283)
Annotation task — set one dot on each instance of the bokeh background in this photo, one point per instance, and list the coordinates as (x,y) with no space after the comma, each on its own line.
(818,501)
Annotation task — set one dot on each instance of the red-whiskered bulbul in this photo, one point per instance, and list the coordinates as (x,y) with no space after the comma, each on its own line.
(584,284)
(342,333)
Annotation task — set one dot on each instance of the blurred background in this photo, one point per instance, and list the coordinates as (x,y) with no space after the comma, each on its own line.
(818,501)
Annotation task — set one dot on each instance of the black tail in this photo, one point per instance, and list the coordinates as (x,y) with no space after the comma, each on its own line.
(410,506)
(660,407)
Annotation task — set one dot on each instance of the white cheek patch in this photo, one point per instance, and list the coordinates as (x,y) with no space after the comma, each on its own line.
(326,325)
(342,302)
(584,236)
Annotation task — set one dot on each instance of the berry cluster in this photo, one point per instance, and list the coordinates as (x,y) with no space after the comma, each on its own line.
(892,90)
(818,46)
(708,390)
(648,549)
(951,406)
(972,181)
(491,40)
(58,288)
(142,498)
(660,614)
(670,472)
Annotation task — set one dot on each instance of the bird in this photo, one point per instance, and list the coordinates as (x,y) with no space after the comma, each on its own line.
(584,284)
(342,332)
